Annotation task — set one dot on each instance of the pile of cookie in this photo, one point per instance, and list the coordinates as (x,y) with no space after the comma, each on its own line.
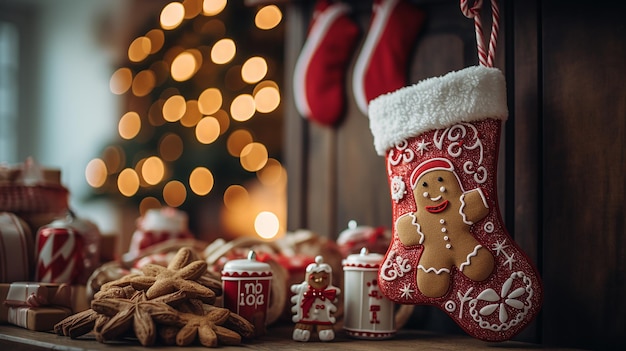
(173,305)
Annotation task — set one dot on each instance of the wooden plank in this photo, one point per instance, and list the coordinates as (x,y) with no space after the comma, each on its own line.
(278,338)
(584,174)
(523,134)
(295,130)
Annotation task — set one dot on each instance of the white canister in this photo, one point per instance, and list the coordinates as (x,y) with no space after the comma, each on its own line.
(246,289)
(368,314)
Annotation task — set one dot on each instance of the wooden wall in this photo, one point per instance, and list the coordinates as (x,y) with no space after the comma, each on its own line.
(562,165)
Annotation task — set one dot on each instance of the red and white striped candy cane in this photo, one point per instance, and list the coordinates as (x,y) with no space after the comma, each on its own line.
(484,57)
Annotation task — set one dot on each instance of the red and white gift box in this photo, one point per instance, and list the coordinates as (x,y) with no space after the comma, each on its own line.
(16,249)
(60,252)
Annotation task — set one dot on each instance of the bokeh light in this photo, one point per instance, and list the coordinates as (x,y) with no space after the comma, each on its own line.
(170,147)
(96,173)
(157,39)
(235,195)
(268,17)
(201,181)
(139,49)
(114,158)
(266,98)
(174,193)
(153,170)
(128,182)
(121,81)
(192,114)
(210,101)
(172,15)
(266,225)
(174,108)
(223,51)
(253,157)
(272,174)
(186,64)
(143,83)
(207,130)
(213,7)
(254,69)
(129,125)
(148,203)
(237,140)
(192,8)
(242,108)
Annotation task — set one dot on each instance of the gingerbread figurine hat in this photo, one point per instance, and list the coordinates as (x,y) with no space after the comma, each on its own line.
(450,247)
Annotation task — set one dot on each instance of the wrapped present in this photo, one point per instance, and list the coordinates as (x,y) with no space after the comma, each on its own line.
(29,188)
(37,318)
(36,295)
(16,249)
(157,226)
(33,294)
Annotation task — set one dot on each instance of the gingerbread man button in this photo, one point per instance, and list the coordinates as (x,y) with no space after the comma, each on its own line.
(314,303)
(441,224)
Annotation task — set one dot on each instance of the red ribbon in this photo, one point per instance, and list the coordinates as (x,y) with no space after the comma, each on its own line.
(311,294)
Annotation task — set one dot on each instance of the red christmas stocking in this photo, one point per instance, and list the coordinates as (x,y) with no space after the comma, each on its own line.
(320,71)
(450,248)
(383,60)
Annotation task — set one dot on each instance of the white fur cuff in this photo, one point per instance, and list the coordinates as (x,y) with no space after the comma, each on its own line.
(471,94)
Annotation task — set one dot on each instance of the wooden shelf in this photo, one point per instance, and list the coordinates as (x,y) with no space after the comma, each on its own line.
(277,339)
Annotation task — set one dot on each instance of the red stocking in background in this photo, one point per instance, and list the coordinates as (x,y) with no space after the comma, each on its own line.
(382,64)
(449,246)
(320,71)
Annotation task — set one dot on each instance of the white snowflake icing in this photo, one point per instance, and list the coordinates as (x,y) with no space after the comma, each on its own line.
(422,146)
(511,305)
(398,188)
(500,248)
(407,292)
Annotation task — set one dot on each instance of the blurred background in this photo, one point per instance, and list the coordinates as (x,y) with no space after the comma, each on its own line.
(149,103)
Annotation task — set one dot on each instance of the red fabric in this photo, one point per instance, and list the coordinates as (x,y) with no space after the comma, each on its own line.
(309,296)
(324,95)
(386,56)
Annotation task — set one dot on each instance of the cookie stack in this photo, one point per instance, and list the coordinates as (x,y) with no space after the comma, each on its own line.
(173,305)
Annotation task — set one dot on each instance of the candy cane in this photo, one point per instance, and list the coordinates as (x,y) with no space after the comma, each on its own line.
(484,57)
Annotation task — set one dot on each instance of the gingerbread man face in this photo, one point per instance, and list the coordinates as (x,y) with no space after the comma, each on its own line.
(435,190)
(319,280)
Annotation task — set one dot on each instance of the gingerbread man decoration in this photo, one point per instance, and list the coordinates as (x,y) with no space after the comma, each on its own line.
(441,223)
(314,303)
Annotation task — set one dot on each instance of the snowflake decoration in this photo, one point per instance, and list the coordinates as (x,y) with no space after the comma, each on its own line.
(398,188)
(407,292)
(422,146)
(500,247)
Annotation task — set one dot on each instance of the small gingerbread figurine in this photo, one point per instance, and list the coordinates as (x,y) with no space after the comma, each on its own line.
(314,303)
